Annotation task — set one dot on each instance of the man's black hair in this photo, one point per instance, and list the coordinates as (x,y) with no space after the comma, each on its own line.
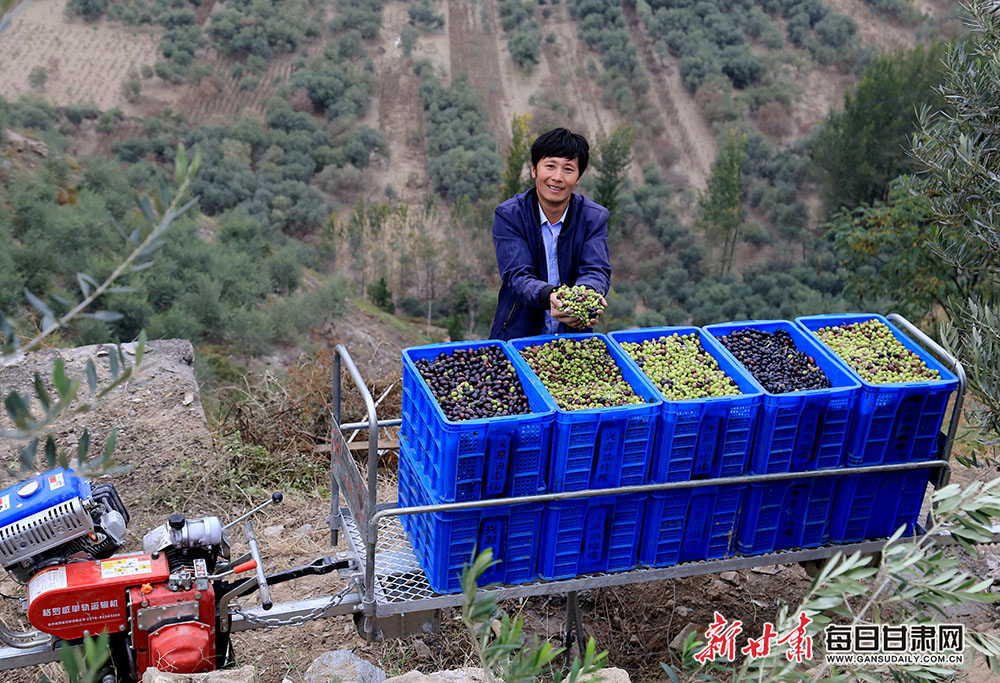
(560,142)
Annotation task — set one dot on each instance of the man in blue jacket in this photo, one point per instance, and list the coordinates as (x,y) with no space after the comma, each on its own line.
(548,237)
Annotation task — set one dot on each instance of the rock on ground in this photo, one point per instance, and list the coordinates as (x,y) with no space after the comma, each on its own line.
(246,674)
(608,675)
(21,143)
(466,675)
(343,666)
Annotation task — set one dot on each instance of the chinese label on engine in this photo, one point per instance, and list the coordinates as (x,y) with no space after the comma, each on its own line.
(56,481)
(126,566)
(45,581)
(81,612)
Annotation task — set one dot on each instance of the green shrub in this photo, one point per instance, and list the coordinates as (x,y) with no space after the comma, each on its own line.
(249,83)
(363,15)
(422,14)
(525,47)
(380,295)
(463,156)
(90,10)
(38,77)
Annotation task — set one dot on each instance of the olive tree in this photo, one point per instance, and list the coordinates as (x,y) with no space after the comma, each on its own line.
(958,149)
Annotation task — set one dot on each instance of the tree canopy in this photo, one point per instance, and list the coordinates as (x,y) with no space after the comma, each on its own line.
(958,150)
(861,148)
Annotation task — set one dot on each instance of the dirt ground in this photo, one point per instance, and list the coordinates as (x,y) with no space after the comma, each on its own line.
(397,112)
(687,130)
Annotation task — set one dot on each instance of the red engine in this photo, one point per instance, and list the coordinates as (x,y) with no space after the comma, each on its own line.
(73,600)
(173,631)
(171,622)
(159,606)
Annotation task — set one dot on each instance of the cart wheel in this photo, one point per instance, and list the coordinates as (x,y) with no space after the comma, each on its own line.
(813,567)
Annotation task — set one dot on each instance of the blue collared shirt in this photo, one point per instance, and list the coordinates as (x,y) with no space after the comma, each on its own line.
(550,240)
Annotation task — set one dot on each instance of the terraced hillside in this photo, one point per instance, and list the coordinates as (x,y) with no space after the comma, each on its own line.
(88,61)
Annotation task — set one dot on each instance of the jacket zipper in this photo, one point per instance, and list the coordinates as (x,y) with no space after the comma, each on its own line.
(507,319)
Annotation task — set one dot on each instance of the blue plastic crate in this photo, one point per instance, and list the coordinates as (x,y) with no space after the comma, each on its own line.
(444,542)
(801,431)
(590,535)
(689,525)
(874,505)
(707,437)
(893,422)
(475,459)
(601,447)
(786,514)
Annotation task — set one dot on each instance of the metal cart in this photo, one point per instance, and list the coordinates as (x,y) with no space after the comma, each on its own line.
(393,597)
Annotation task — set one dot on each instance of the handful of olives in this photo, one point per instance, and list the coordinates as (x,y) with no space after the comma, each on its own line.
(580,373)
(471,384)
(680,367)
(873,351)
(581,302)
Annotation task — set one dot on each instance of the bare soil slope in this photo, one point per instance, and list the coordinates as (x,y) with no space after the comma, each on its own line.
(84,62)
(687,129)
(398,113)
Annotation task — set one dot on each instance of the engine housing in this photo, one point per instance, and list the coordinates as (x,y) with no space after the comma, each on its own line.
(173,630)
(83,598)
(56,516)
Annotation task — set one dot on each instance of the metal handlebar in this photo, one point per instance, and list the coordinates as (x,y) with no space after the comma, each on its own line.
(342,354)
(276,498)
(955,366)
(23,639)
(265,592)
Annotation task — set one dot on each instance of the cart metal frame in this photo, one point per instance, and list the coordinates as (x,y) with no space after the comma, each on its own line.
(388,592)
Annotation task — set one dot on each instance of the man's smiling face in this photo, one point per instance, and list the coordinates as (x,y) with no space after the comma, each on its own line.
(555,179)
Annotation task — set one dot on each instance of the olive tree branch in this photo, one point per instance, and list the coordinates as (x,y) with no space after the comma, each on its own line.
(186,173)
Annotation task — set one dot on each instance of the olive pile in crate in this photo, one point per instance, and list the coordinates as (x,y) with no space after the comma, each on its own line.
(581,302)
(873,351)
(471,384)
(774,360)
(680,367)
(580,374)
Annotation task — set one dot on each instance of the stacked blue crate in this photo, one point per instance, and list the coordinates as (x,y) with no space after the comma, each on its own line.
(445,542)
(593,449)
(442,461)
(794,513)
(894,423)
(590,535)
(800,431)
(870,506)
(697,439)
(475,459)
(853,423)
